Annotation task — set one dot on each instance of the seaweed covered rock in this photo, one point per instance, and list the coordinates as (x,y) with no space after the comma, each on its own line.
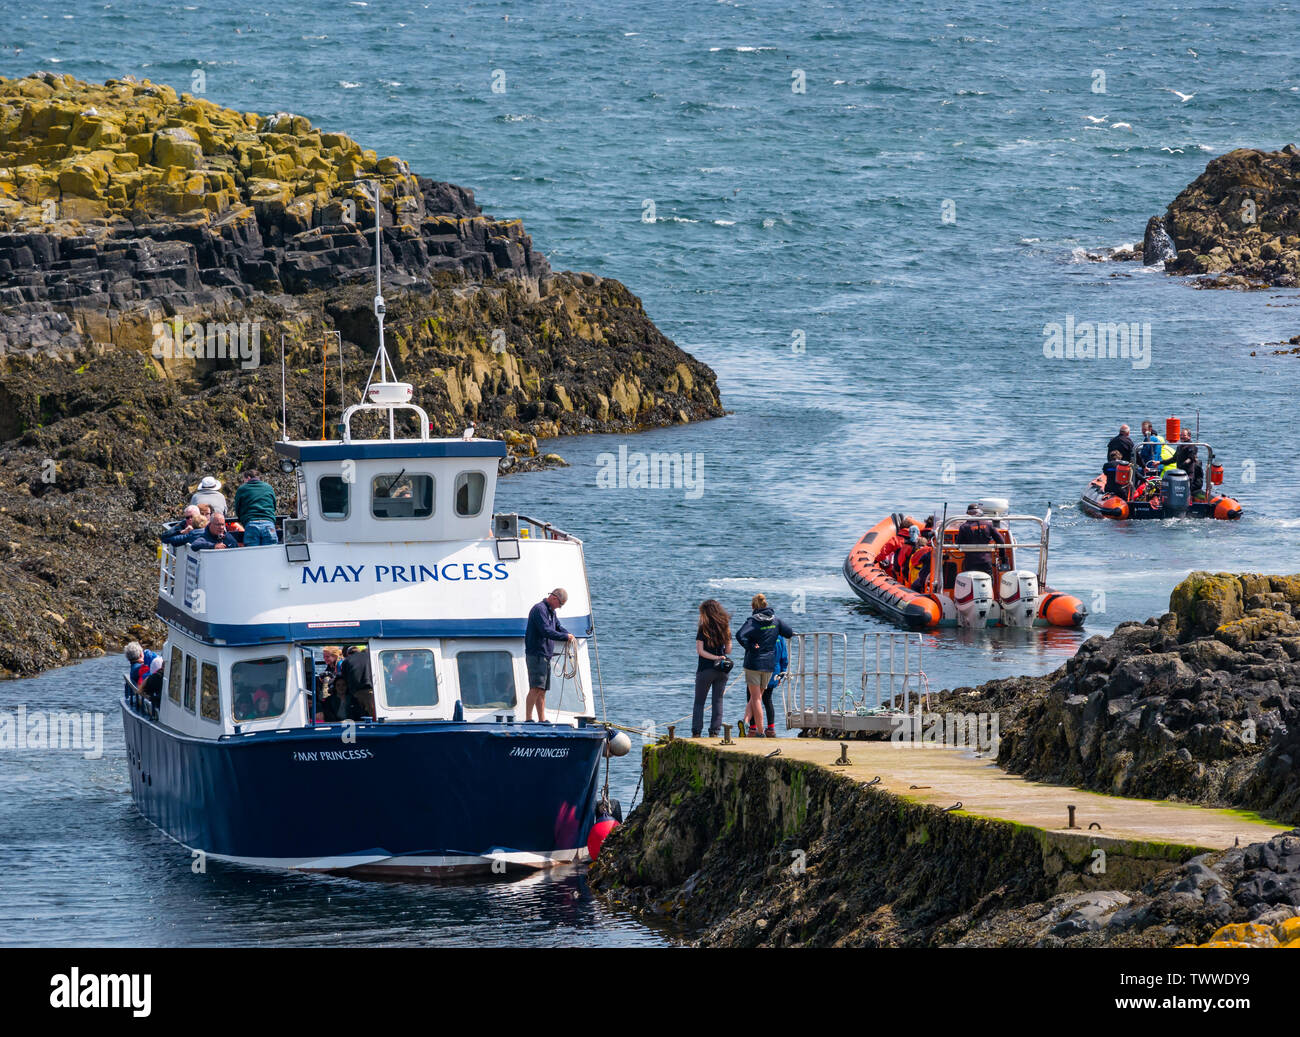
(1202,705)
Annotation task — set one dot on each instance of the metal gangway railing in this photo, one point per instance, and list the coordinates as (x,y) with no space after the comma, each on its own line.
(888,694)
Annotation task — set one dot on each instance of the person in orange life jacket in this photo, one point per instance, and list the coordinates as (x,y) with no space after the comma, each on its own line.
(758,636)
(889,553)
(781,657)
(918,568)
(905,551)
(1113,485)
(977,530)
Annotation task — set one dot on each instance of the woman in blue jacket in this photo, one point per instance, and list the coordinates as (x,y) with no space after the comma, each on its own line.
(758,637)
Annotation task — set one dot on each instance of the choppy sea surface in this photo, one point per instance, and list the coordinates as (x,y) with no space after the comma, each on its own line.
(868,263)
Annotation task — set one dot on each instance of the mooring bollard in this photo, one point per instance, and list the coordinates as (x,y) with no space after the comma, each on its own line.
(672,732)
(844,760)
(726,735)
(1070,808)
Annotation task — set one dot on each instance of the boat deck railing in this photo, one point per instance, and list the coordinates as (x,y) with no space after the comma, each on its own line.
(818,696)
(536,529)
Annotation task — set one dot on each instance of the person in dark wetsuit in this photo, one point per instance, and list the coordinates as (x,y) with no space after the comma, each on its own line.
(977,530)
(1185,457)
(1123,443)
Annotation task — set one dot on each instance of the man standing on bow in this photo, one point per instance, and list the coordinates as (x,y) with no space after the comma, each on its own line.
(543,629)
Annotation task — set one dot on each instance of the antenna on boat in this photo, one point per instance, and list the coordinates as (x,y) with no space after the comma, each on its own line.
(284,406)
(387,391)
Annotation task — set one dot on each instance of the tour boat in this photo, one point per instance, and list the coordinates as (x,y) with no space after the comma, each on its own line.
(393,546)
(951,596)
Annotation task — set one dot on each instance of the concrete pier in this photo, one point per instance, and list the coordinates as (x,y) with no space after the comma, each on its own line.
(943,777)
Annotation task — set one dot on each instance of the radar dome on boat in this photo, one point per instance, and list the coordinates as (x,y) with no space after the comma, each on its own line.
(994,506)
(384,393)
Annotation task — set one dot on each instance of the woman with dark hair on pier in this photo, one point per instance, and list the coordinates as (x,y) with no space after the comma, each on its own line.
(712,638)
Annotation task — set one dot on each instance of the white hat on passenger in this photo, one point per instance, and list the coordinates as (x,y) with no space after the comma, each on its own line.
(209,482)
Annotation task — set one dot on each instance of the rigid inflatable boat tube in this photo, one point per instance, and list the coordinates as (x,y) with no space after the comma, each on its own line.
(1062,610)
(874,586)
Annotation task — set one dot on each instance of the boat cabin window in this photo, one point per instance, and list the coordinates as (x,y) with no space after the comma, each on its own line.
(409,677)
(335,498)
(258,688)
(487,679)
(174,676)
(469,493)
(191,682)
(209,694)
(401,495)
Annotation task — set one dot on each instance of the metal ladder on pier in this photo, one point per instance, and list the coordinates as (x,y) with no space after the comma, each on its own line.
(888,695)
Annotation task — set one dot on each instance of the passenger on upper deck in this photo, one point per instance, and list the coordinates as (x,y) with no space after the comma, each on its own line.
(139,660)
(255,506)
(214,536)
(153,683)
(209,493)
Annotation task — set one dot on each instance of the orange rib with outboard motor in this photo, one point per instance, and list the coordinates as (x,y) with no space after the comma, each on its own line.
(956,594)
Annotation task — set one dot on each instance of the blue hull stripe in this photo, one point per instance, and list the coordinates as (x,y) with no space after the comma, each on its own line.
(397,790)
(362,630)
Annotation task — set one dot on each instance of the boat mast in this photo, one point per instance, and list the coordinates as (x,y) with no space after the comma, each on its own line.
(384,366)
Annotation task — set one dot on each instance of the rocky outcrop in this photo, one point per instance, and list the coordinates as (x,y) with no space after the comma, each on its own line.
(1201,705)
(142,233)
(1239,221)
(736,850)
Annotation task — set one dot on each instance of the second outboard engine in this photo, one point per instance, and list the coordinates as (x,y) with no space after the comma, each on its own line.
(1018,596)
(973,596)
(1176,489)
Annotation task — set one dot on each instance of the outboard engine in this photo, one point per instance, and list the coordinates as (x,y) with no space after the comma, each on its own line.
(973,596)
(1176,489)
(1019,597)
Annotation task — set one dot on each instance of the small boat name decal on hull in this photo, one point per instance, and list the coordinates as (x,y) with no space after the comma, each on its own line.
(330,755)
(532,751)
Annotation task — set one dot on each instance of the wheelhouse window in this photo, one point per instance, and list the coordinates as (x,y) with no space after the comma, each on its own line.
(401,495)
(191,682)
(258,688)
(409,677)
(487,680)
(335,497)
(174,675)
(469,493)
(209,693)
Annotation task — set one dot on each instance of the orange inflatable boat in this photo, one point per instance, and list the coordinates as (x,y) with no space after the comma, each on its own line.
(978,582)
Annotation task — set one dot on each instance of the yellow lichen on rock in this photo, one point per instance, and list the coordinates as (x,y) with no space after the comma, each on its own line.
(1252,934)
(130,146)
